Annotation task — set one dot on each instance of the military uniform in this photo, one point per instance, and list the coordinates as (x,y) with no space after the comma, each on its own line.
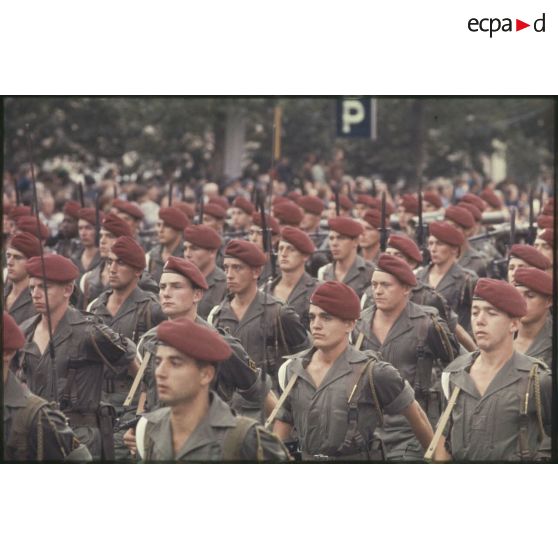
(415,341)
(208,440)
(283,334)
(155,262)
(22,309)
(474,260)
(215,293)
(321,415)
(541,347)
(247,402)
(67,247)
(47,435)
(95,262)
(489,428)
(358,276)
(80,371)
(299,297)
(457,288)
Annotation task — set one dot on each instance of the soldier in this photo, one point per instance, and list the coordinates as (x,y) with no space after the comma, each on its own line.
(129,212)
(17,298)
(129,311)
(445,275)
(409,337)
(363,203)
(28,223)
(214,216)
(545,244)
(15,213)
(407,209)
(181,288)
(369,241)
(523,255)
(33,429)
(66,242)
(195,424)
(288,214)
(470,258)
(87,257)
(345,207)
(336,395)
(170,227)
(241,218)
(347,265)
(201,244)
(431,202)
(82,349)
(267,328)
(486,246)
(312,209)
(500,404)
(294,286)
(534,337)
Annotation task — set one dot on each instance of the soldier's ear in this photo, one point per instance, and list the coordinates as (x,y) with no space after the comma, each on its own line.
(207,374)
(514,325)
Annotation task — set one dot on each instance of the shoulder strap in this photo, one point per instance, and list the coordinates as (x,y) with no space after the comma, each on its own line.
(281,400)
(523,439)
(234,439)
(440,427)
(214,312)
(21,427)
(379,409)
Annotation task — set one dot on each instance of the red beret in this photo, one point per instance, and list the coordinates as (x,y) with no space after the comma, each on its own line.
(534,279)
(185,208)
(433,199)
(299,239)
(221,201)
(245,251)
(446,233)
(27,244)
(28,223)
(460,216)
(129,251)
(294,196)
(545,221)
(12,336)
(491,199)
(472,209)
(410,203)
(548,236)
(193,340)
(406,246)
(202,236)
(397,267)
(20,211)
(530,255)
(88,214)
(277,200)
(288,213)
(337,299)
(187,269)
(215,210)
(311,204)
(344,202)
(128,207)
(502,296)
(242,203)
(366,200)
(345,226)
(173,218)
(373,217)
(116,226)
(475,200)
(71,209)
(57,268)
(272,223)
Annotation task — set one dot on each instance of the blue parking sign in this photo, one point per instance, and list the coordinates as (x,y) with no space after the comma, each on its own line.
(356,117)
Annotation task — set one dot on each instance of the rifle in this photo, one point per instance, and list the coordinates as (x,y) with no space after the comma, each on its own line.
(374,191)
(267,240)
(336,192)
(170,194)
(201,203)
(97,219)
(80,192)
(420,230)
(532,231)
(383,228)
(54,376)
(511,241)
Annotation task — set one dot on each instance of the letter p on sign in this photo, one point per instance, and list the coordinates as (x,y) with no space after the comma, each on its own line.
(353,113)
(356,117)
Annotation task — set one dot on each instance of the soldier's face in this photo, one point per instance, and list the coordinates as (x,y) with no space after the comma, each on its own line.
(342,247)
(309,221)
(167,235)
(440,252)
(388,292)
(134,223)
(394,252)
(58,294)
(255,236)
(177,296)
(327,330)
(491,327)
(202,257)
(16,265)
(544,248)
(212,222)
(240,219)
(240,277)
(106,240)
(86,233)
(179,378)
(370,236)
(290,259)
(537,305)
(515,264)
(121,275)
(69,227)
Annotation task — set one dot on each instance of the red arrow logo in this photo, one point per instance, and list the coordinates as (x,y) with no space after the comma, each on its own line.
(519,25)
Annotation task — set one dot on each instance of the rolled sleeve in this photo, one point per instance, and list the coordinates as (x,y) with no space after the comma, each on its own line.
(394,393)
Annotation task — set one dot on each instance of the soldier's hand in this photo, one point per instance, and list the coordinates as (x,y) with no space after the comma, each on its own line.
(130,441)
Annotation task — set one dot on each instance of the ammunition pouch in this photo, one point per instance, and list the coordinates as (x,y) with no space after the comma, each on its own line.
(101,345)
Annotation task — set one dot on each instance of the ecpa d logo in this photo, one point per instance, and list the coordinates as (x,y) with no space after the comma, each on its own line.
(494,24)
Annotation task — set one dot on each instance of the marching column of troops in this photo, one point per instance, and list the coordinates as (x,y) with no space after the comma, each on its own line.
(304,333)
